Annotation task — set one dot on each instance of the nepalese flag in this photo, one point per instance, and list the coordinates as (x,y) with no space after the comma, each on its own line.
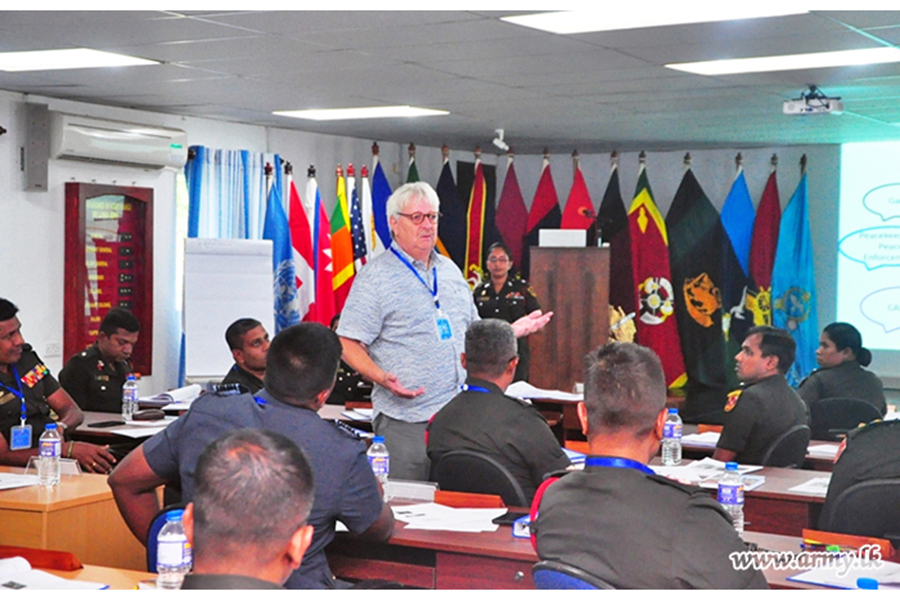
(512,216)
(475,231)
(368,219)
(579,213)
(357,229)
(341,245)
(762,249)
(452,224)
(287,312)
(324,304)
(656,327)
(381,191)
(794,284)
(301,240)
(545,214)
(612,228)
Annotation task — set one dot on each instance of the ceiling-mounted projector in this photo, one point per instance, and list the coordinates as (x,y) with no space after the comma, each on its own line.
(813,102)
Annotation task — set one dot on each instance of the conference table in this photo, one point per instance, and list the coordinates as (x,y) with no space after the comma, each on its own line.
(79,515)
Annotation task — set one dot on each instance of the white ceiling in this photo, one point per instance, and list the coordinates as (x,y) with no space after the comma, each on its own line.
(593,91)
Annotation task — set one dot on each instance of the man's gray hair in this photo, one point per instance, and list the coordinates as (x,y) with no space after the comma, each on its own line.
(405,194)
(490,345)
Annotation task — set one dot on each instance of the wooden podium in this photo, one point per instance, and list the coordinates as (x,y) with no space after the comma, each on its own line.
(574,284)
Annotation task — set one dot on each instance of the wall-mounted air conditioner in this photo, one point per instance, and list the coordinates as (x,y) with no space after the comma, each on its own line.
(116,142)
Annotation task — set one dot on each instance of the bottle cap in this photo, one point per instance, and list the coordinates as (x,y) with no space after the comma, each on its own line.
(731,466)
(129,377)
(174,515)
(867,583)
(378,439)
(673,411)
(50,426)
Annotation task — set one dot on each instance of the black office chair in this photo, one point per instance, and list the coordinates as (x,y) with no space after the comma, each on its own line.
(832,417)
(870,508)
(155,526)
(468,471)
(788,449)
(555,575)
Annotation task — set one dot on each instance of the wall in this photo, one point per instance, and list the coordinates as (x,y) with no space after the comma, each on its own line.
(32,223)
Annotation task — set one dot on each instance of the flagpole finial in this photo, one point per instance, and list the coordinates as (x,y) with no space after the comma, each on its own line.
(546,153)
(477,152)
(339,172)
(364,172)
(311,171)
(192,152)
(375,148)
(288,168)
(268,169)
(738,161)
(411,150)
(614,158)
(510,154)
(445,151)
(350,171)
(803,164)
(774,160)
(642,157)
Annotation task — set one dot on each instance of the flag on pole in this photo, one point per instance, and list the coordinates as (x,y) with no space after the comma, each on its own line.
(412,174)
(324,305)
(794,285)
(381,191)
(612,226)
(475,222)
(695,250)
(368,219)
(512,216)
(737,218)
(765,241)
(653,282)
(285,286)
(301,240)
(545,213)
(357,229)
(579,212)
(341,244)
(452,224)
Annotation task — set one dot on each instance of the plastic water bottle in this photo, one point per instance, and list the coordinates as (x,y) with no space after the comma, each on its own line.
(731,494)
(379,460)
(129,397)
(49,451)
(173,553)
(671,446)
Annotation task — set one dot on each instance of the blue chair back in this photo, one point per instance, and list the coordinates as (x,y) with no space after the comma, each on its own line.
(554,575)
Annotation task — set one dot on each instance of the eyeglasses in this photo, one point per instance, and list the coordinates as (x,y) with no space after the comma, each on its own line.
(501,260)
(418,218)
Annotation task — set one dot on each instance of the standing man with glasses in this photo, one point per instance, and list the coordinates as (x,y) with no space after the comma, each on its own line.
(403,328)
(506,298)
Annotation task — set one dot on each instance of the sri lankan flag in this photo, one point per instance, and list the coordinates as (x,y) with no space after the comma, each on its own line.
(475,232)
(341,245)
(762,248)
(652,279)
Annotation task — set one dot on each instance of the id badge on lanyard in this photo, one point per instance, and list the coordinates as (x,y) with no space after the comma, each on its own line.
(443,325)
(444,331)
(19,435)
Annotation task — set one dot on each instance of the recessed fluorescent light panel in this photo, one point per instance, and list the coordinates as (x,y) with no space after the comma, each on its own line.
(625,16)
(789,62)
(74,58)
(372,112)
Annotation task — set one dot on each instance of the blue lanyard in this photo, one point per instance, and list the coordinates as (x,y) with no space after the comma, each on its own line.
(618,463)
(259,401)
(19,394)
(434,292)
(474,388)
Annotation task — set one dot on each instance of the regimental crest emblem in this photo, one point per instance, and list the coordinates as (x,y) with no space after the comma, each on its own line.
(656,300)
(702,299)
(732,400)
(796,306)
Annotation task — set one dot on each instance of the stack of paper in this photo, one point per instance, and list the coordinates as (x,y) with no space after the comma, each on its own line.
(707,439)
(363,415)
(142,429)
(524,390)
(437,517)
(9,481)
(707,472)
(178,399)
(823,451)
(817,486)
(16,574)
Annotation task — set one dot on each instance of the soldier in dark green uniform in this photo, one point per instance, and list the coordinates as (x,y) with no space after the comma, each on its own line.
(506,298)
(249,344)
(94,377)
(619,521)
(766,406)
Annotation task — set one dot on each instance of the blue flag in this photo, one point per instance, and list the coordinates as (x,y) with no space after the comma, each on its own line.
(737,218)
(287,310)
(794,286)
(381,191)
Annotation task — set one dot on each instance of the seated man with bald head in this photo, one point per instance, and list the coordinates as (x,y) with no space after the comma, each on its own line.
(248,522)
(617,520)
